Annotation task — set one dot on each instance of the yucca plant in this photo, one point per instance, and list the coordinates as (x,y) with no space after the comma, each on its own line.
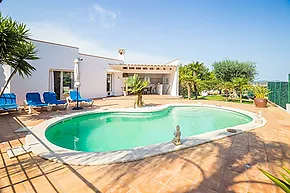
(15,48)
(284,185)
(260,91)
(136,87)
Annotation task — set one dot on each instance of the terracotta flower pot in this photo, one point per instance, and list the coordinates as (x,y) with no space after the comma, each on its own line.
(260,102)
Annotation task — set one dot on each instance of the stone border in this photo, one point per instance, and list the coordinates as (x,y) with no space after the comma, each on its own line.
(42,147)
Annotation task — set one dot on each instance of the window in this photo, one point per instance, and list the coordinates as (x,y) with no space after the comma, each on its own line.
(157,68)
(125,75)
(144,68)
(131,68)
(164,68)
(109,82)
(151,68)
(138,68)
(125,68)
(170,68)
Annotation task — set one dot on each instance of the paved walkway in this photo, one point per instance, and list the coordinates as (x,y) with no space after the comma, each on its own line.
(213,167)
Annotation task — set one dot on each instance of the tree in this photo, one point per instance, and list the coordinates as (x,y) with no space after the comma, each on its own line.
(192,75)
(15,48)
(240,84)
(227,87)
(227,70)
(136,86)
(186,78)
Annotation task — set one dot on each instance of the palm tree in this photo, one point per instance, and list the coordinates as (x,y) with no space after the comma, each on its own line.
(227,87)
(136,86)
(186,78)
(240,84)
(15,48)
(200,71)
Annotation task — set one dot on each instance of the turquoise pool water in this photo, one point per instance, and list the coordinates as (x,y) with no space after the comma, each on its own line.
(107,131)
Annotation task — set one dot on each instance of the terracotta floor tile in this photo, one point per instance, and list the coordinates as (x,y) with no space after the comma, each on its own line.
(161,175)
(149,185)
(180,184)
(133,190)
(235,151)
(202,189)
(190,171)
(41,183)
(259,187)
(4,181)
(212,181)
(6,190)
(233,187)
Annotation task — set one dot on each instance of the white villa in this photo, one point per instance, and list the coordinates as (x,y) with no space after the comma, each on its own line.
(99,76)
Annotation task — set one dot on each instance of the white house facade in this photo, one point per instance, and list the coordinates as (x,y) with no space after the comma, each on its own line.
(99,76)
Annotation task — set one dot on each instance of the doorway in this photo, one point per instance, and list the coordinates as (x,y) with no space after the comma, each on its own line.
(63,82)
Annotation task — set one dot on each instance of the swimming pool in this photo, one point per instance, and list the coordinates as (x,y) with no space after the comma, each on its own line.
(120,135)
(110,131)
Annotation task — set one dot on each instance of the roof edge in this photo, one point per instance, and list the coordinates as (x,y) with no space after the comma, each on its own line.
(57,44)
(99,57)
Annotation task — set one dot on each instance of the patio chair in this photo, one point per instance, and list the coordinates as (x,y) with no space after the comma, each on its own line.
(33,101)
(74,95)
(8,102)
(51,99)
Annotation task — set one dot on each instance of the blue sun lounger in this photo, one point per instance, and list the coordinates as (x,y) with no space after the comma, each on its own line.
(33,101)
(74,95)
(51,99)
(8,102)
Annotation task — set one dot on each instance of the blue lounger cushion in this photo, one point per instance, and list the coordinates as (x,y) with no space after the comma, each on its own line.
(33,99)
(51,98)
(8,101)
(74,94)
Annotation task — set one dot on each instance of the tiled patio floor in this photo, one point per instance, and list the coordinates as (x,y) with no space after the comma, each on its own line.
(213,167)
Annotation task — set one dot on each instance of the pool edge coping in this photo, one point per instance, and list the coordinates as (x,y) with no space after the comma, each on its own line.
(42,147)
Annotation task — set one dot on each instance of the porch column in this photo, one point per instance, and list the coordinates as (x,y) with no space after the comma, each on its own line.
(175,85)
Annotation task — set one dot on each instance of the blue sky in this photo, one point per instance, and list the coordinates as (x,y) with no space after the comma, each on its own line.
(157,31)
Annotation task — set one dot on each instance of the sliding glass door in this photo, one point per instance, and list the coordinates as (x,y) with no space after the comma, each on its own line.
(63,82)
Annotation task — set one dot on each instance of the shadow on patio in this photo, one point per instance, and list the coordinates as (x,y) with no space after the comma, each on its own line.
(218,166)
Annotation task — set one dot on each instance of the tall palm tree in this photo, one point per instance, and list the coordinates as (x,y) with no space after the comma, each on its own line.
(186,78)
(136,86)
(199,71)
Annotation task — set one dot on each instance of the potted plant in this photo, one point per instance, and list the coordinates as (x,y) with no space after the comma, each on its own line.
(260,93)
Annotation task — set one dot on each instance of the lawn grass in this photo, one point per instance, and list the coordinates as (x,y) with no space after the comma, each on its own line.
(222,98)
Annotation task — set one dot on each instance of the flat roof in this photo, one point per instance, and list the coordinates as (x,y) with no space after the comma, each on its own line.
(145,64)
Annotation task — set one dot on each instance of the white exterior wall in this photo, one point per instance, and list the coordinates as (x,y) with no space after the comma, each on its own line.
(51,57)
(93,77)
(5,72)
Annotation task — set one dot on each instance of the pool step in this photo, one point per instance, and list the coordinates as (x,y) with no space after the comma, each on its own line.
(17,151)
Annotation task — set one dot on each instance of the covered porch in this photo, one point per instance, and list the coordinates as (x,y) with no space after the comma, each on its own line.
(163,78)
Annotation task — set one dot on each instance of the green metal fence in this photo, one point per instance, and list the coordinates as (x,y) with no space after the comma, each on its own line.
(280,92)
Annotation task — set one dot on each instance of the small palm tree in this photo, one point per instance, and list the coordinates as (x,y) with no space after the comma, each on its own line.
(136,86)
(227,87)
(240,84)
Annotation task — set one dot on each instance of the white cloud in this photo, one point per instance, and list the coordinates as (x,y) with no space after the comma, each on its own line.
(106,18)
(58,34)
